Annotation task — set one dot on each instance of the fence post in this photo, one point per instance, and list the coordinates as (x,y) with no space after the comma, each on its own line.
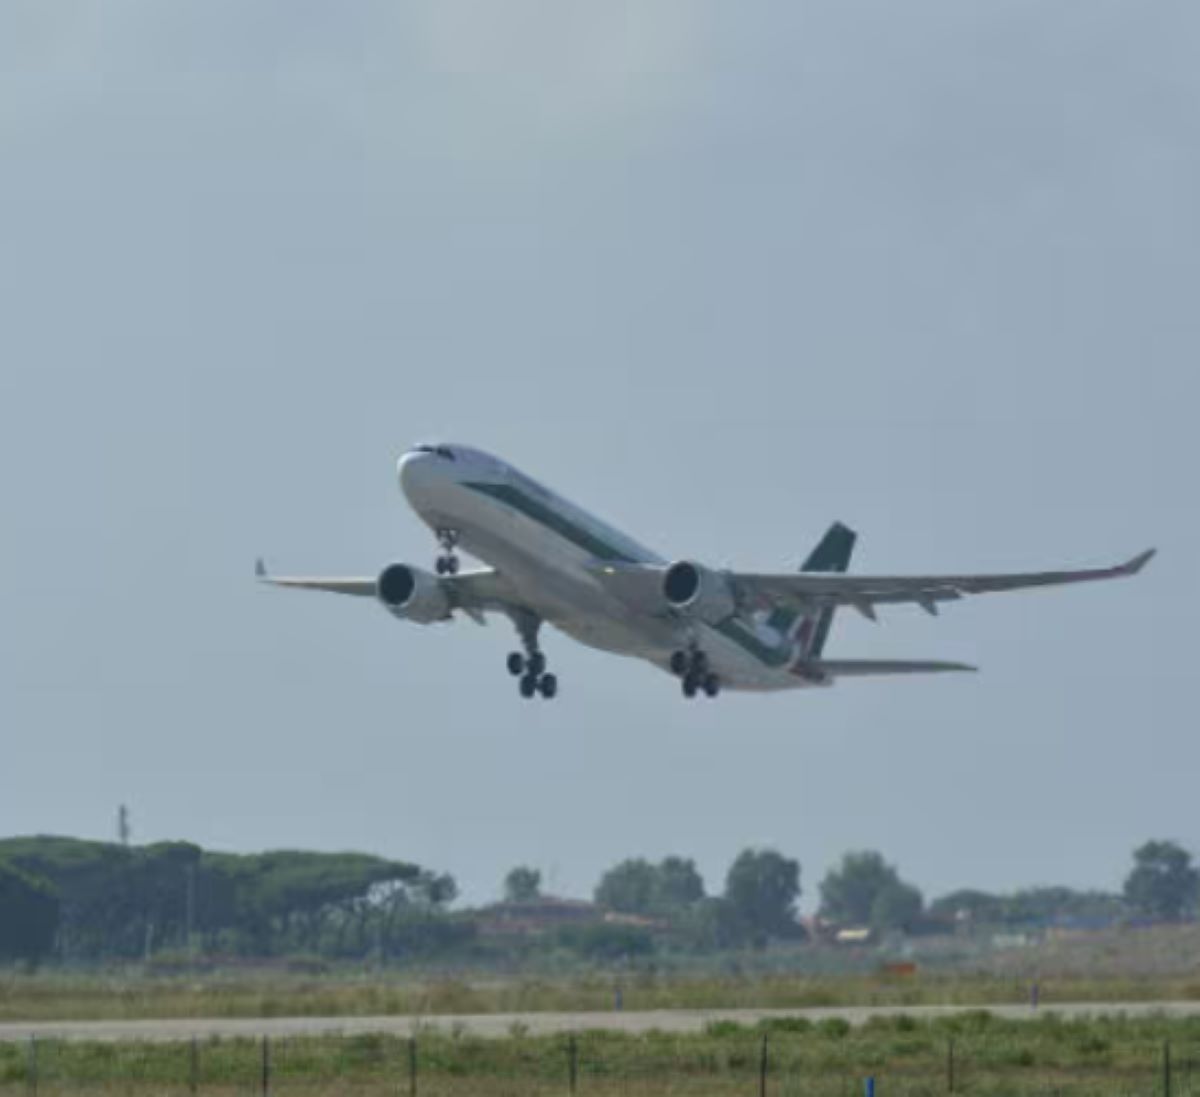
(950,1065)
(572,1064)
(763,1064)
(266,1066)
(32,1065)
(194,1066)
(1166,1068)
(412,1066)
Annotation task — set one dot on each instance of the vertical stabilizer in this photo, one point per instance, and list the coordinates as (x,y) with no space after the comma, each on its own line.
(831,555)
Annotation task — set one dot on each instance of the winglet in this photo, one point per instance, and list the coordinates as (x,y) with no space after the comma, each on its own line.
(260,569)
(1135,565)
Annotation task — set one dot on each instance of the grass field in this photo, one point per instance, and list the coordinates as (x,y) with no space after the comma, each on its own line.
(131,996)
(974,1053)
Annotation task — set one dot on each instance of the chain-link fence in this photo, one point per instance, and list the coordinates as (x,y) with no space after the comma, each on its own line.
(599,1064)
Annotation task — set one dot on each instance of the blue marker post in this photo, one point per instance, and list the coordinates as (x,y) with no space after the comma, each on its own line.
(870,1090)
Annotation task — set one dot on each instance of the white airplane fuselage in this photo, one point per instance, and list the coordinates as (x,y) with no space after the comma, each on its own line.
(548,549)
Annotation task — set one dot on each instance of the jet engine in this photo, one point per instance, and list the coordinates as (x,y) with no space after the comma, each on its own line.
(412,594)
(699,591)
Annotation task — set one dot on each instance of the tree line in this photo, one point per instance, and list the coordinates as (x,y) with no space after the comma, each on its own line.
(85,900)
(82,901)
(762,891)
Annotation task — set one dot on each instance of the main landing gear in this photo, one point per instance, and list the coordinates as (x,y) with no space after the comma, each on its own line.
(447,562)
(692,667)
(529,666)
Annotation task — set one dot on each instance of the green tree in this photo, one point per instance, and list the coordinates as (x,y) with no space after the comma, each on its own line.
(1164,883)
(679,884)
(29,906)
(522,885)
(866,891)
(897,906)
(635,886)
(761,891)
(629,887)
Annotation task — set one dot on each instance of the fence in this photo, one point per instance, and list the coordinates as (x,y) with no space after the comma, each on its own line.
(596,1064)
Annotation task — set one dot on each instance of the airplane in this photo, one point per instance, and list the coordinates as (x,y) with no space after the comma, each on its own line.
(553,563)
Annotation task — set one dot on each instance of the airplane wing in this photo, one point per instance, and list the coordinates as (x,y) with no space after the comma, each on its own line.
(362,588)
(473,591)
(808,590)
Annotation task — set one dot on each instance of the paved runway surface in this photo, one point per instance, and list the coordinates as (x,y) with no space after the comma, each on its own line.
(503,1024)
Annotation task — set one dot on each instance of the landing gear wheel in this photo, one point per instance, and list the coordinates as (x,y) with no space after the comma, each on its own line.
(699,665)
(530,665)
(690,685)
(447,563)
(679,663)
(712,685)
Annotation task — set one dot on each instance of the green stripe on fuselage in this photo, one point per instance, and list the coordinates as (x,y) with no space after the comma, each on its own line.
(553,520)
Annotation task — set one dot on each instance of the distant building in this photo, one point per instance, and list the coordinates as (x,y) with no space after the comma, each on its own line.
(854,935)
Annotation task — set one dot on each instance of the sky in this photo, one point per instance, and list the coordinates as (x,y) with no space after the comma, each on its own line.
(720,273)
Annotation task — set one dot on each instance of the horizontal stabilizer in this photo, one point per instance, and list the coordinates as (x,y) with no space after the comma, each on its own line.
(867,668)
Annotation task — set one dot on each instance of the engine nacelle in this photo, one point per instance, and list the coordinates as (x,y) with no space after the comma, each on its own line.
(412,594)
(697,590)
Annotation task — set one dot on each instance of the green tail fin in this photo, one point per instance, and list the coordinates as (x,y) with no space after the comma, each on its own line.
(832,554)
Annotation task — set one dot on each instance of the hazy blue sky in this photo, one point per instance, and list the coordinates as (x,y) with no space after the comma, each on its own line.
(721,273)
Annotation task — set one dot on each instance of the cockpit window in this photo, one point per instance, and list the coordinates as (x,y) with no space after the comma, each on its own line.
(444,452)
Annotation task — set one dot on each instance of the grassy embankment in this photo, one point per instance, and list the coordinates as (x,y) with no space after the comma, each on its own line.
(1157,964)
(990,1056)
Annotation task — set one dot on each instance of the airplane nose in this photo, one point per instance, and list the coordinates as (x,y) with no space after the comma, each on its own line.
(408,470)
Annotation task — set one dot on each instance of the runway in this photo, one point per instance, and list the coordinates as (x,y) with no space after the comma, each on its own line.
(498,1025)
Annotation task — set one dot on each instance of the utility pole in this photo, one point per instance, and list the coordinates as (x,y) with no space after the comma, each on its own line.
(124,831)
(191,908)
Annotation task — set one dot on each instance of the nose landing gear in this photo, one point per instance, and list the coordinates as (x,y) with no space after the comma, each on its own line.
(447,562)
(692,667)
